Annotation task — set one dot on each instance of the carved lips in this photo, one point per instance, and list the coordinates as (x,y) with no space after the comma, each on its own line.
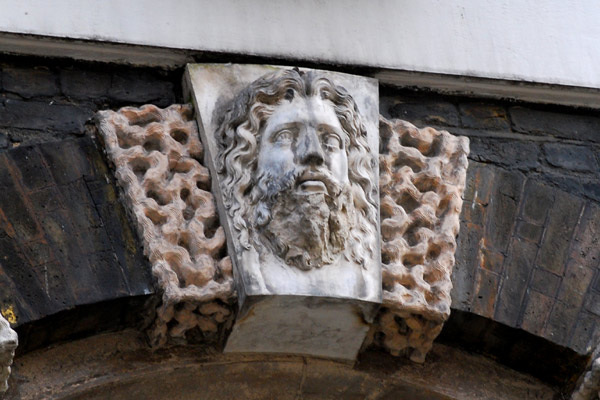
(311,181)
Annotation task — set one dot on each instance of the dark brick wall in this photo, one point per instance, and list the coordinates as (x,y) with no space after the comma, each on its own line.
(43,101)
(65,239)
(529,246)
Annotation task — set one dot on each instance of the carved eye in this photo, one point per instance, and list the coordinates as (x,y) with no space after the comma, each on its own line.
(284,137)
(332,142)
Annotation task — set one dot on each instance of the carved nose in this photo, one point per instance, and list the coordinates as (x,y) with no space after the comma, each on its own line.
(310,150)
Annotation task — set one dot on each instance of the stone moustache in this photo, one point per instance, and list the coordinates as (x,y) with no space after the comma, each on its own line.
(297,173)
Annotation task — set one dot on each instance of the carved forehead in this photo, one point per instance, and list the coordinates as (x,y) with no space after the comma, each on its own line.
(311,110)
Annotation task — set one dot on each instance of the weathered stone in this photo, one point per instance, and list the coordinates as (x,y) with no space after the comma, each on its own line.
(589,385)
(426,112)
(538,199)
(528,231)
(300,205)
(575,283)
(503,209)
(480,182)
(513,154)
(571,157)
(491,260)
(592,303)
(8,344)
(483,116)
(567,126)
(581,339)
(560,323)
(465,269)
(486,290)
(140,87)
(156,155)
(29,82)
(545,282)
(585,248)
(84,84)
(422,179)
(33,171)
(562,220)
(44,116)
(516,278)
(537,310)
(4,142)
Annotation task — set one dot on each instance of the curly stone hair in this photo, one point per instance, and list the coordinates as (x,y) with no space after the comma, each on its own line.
(239,136)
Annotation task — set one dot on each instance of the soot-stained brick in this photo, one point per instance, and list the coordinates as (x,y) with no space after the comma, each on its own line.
(483,116)
(516,278)
(560,323)
(575,283)
(44,116)
(511,154)
(33,171)
(568,126)
(486,289)
(581,338)
(562,219)
(503,209)
(528,231)
(57,250)
(586,246)
(545,282)
(571,157)
(139,87)
(426,112)
(30,82)
(4,141)
(465,269)
(538,199)
(85,84)
(536,312)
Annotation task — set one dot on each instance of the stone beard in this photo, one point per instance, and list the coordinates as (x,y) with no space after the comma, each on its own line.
(297,172)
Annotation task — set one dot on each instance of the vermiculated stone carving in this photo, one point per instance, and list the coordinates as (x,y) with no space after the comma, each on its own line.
(422,179)
(157,156)
(298,181)
(8,344)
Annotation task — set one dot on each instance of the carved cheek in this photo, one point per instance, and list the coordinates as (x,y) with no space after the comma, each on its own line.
(338,164)
(275,159)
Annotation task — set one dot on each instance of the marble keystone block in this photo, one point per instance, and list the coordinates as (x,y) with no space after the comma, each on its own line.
(294,158)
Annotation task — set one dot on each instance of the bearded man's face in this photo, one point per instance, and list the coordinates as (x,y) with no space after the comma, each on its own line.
(301,194)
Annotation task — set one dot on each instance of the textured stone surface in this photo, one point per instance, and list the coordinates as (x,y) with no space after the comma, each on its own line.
(157,156)
(65,240)
(422,179)
(8,344)
(295,153)
(120,366)
(589,385)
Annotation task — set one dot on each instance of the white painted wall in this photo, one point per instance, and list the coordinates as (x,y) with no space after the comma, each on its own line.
(544,41)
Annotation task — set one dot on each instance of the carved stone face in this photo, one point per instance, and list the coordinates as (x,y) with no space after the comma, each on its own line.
(297,172)
(305,135)
(303,168)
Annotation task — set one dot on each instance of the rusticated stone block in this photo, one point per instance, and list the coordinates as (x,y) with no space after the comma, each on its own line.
(157,153)
(422,179)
